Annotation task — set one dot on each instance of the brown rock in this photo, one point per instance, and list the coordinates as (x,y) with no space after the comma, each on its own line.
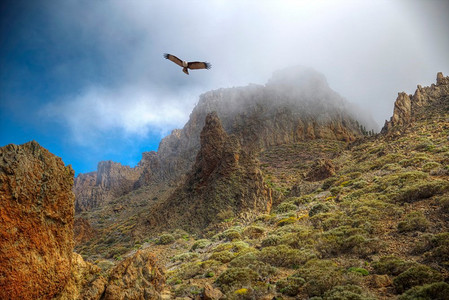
(380,281)
(408,108)
(82,231)
(211,293)
(137,277)
(322,169)
(85,283)
(36,222)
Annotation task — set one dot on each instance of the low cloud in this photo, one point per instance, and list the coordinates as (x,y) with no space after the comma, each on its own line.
(129,112)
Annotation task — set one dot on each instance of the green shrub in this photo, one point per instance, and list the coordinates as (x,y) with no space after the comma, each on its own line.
(436,248)
(285,207)
(323,275)
(235,278)
(318,208)
(188,256)
(284,256)
(345,239)
(427,167)
(231,235)
(223,256)
(414,276)
(290,286)
(250,260)
(361,271)
(254,231)
(286,221)
(391,265)
(414,221)
(271,240)
(422,190)
(433,291)
(444,203)
(166,239)
(200,244)
(195,269)
(346,292)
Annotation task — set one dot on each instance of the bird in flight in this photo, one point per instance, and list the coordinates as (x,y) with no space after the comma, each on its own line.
(193,65)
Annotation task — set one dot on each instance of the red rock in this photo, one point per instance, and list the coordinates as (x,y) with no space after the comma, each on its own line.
(36,222)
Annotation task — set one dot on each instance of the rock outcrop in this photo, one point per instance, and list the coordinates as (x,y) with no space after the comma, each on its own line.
(225,181)
(322,169)
(111,180)
(36,237)
(137,277)
(36,222)
(408,107)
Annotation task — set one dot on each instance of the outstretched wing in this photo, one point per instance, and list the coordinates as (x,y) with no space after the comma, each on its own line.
(198,65)
(173,59)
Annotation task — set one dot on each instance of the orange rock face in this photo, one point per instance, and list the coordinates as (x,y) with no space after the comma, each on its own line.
(36,222)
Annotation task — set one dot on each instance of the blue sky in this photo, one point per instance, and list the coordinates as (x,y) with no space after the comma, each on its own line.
(87,80)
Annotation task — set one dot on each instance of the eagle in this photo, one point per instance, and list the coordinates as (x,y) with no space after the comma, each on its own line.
(193,65)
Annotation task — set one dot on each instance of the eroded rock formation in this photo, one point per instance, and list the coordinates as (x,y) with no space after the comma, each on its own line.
(408,107)
(224,181)
(36,222)
(137,277)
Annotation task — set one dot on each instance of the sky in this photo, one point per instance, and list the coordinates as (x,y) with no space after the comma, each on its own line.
(87,79)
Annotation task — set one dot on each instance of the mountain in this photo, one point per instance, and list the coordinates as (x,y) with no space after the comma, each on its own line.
(268,192)
(280,201)
(295,106)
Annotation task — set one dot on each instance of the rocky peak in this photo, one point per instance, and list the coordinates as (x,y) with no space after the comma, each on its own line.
(224,181)
(409,107)
(109,181)
(36,222)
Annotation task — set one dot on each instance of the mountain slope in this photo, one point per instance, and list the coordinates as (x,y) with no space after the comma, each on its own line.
(295,105)
(365,220)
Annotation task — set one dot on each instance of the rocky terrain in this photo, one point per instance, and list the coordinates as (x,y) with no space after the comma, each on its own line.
(36,221)
(331,216)
(36,237)
(268,192)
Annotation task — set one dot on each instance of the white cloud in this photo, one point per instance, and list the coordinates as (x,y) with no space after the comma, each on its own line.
(127,112)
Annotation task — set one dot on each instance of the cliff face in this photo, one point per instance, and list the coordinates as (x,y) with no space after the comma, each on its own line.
(225,181)
(409,107)
(36,222)
(111,180)
(295,105)
(36,235)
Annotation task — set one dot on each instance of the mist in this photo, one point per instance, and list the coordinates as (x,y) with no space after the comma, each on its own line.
(102,78)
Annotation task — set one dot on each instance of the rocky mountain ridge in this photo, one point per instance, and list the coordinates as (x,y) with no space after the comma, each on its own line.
(408,107)
(224,182)
(295,105)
